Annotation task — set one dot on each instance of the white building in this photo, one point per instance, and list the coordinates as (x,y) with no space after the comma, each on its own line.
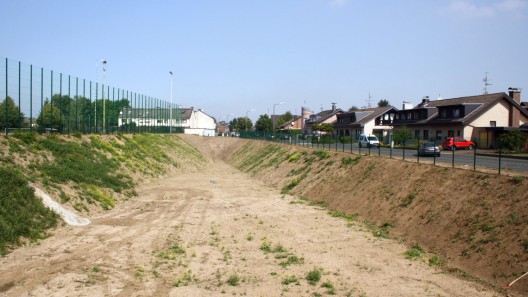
(190,120)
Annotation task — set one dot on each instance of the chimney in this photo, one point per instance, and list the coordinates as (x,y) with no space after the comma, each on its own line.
(425,100)
(515,93)
(407,105)
(334,106)
(515,115)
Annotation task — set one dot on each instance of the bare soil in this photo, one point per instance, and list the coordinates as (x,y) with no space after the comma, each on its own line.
(206,233)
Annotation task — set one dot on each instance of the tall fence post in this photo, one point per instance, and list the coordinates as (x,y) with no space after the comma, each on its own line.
(475,158)
(418,150)
(5,101)
(453,157)
(500,158)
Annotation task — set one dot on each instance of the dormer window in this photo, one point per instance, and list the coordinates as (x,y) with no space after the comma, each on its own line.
(456,113)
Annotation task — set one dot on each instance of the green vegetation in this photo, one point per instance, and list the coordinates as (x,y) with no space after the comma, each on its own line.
(233,279)
(346,160)
(93,171)
(416,251)
(313,276)
(290,279)
(408,200)
(22,215)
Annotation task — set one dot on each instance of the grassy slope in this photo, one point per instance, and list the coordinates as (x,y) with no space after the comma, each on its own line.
(87,173)
(472,224)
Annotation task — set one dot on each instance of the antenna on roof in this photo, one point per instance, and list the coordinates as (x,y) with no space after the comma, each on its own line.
(369,100)
(486,83)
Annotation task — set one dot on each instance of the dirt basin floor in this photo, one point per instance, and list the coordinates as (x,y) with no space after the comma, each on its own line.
(216,232)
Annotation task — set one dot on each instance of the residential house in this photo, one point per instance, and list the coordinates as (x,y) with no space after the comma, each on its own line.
(480,118)
(192,121)
(323,117)
(366,121)
(293,124)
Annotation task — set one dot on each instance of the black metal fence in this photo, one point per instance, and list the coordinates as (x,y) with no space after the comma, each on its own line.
(472,159)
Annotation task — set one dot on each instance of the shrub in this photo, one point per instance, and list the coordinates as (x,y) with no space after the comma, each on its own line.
(313,276)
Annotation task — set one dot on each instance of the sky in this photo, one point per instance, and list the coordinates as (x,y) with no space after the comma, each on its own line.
(235,57)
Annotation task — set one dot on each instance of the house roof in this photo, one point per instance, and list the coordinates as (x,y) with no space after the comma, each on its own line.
(364,116)
(474,106)
(323,115)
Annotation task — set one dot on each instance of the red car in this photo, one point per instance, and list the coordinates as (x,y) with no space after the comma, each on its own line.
(454,143)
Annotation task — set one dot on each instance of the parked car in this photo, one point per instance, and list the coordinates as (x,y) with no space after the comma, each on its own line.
(368,140)
(454,143)
(429,149)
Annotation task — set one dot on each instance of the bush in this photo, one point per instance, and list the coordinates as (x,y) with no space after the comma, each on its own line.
(512,140)
(22,215)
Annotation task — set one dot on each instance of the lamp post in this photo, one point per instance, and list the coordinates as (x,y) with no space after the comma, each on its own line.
(227,117)
(104,103)
(247,119)
(170,107)
(272,121)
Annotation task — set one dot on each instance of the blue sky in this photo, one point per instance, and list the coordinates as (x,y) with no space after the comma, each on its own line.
(232,56)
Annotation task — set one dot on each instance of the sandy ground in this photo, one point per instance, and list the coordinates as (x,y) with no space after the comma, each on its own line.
(201,234)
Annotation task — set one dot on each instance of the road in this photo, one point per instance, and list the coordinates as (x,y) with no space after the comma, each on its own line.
(459,158)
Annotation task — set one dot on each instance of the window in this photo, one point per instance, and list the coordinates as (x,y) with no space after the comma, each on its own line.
(450,133)
(458,132)
(417,134)
(438,135)
(456,113)
(493,123)
(443,113)
(426,134)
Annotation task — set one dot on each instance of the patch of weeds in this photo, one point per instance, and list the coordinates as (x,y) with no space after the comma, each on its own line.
(383,231)
(487,227)
(330,287)
(293,183)
(350,161)
(436,261)
(279,249)
(321,203)
(296,156)
(517,180)
(184,279)
(416,251)
(172,253)
(292,259)
(233,279)
(265,246)
(140,272)
(250,236)
(314,276)
(25,136)
(408,200)
(322,154)
(290,279)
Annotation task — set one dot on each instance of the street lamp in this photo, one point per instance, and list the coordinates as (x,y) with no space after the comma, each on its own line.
(247,119)
(104,104)
(170,129)
(227,117)
(272,121)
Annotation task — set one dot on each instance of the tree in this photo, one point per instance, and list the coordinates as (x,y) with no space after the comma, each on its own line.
(50,117)
(512,140)
(263,123)
(286,117)
(353,108)
(324,127)
(14,116)
(401,135)
(243,124)
(383,103)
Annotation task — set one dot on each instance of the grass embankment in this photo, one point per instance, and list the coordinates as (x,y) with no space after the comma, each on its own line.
(88,173)
(471,224)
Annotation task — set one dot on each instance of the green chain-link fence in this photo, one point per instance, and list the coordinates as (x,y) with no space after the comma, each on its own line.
(46,101)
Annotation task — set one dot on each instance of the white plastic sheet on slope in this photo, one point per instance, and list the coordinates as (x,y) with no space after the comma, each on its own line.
(69,217)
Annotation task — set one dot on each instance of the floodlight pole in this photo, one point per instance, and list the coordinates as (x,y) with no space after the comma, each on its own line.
(104,105)
(170,129)
(272,121)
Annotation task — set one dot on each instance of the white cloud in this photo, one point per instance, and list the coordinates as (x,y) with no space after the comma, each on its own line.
(512,5)
(338,2)
(468,9)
